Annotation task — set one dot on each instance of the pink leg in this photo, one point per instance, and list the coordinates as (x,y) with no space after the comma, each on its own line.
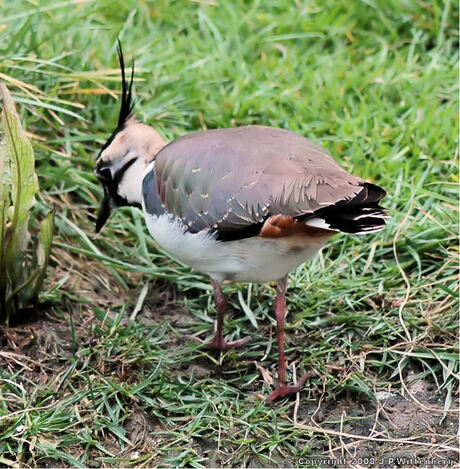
(218,342)
(282,388)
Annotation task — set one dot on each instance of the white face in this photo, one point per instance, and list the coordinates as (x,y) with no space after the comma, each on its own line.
(120,166)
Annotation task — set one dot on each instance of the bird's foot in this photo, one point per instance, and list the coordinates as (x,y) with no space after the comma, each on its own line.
(219,343)
(284,389)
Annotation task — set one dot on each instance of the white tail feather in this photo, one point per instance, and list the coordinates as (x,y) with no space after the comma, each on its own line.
(319,223)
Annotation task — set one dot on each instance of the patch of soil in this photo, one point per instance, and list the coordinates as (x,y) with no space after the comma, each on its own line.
(163,302)
(395,430)
(142,430)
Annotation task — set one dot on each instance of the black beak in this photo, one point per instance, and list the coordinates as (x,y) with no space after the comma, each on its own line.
(108,206)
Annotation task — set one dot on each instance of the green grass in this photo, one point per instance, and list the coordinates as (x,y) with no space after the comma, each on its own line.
(375,83)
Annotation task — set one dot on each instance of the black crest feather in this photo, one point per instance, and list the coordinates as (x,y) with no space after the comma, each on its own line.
(127,102)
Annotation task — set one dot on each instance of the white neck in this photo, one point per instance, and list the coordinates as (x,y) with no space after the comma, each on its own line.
(130,186)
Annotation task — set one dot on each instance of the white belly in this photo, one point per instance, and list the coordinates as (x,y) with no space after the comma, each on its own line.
(248,260)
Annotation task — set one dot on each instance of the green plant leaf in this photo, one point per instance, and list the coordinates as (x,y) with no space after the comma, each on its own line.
(19,149)
(45,240)
(247,310)
(22,273)
(3,277)
(19,165)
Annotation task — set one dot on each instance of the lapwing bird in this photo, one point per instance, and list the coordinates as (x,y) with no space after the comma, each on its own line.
(245,204)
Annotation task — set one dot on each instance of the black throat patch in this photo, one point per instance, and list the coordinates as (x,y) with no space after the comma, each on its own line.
(111,184)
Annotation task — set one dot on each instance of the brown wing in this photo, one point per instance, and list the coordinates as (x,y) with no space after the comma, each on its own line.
(231,179)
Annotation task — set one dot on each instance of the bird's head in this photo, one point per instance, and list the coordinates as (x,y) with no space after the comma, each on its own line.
(122,160)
